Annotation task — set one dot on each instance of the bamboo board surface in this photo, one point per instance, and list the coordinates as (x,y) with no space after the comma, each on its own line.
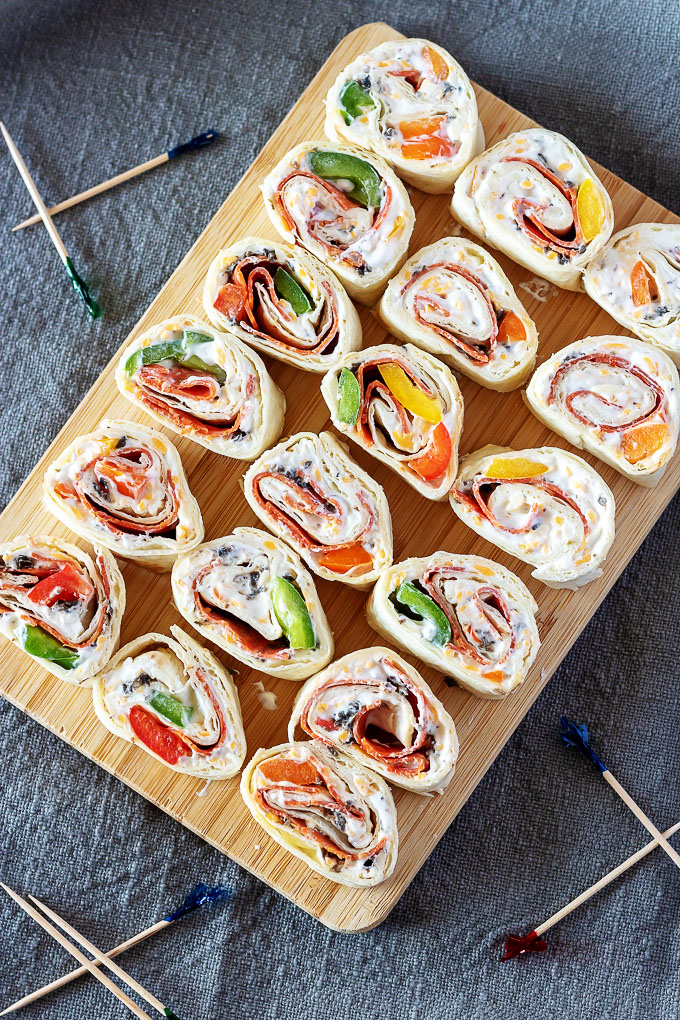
(420,528)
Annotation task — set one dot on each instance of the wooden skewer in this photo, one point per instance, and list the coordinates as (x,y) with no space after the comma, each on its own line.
(196,143)
(78,283)
(517,945)
(105,960)
(75,952)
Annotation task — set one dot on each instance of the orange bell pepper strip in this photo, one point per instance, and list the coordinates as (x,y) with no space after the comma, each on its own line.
(344,559)
(285,770)
(422,139)
(640,285)
(511,329)
(440,68)
(436,459)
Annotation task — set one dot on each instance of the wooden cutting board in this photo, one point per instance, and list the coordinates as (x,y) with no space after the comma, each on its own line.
(420,527)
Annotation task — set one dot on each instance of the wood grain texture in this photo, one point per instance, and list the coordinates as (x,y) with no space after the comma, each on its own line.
(420,527)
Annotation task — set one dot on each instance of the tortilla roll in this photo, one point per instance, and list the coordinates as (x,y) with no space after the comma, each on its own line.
(123,486)
(171,697)
(60,605)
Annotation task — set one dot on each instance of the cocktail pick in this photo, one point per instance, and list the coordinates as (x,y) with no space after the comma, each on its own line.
(199,896)
(79,285)
(577,736)
(178,150)
(74,951)
(518,945)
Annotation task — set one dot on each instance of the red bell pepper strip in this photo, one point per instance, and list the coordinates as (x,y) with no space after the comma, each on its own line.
(437,457)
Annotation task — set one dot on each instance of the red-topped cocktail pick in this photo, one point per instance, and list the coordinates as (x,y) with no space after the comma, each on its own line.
(519,945)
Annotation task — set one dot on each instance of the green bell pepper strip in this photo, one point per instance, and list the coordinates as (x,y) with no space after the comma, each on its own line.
(172,708)
(287,287)
(333,166)
(354,101)
(38,642)
(291,612)
(350,397)
(174,350)
(426,608)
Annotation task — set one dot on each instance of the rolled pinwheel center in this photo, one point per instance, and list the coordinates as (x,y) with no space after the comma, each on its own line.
(251,595)
(636,278)
(410,102)
(465,615)
(59,605)
(313,495)
(375,707)
(534,196)
(336,816)
(454,300)
(546,506)
(615,397)
(174,699)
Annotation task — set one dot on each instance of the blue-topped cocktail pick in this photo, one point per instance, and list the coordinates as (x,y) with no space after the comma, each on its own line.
(199,142)
(576,735)
(200,896)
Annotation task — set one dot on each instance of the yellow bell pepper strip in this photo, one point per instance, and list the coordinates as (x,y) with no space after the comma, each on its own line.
(590,209)
(436,458)
(291,612)
(38,642)
(436,627)
(287,287)
(174,350)
(334,166)
(172,708)
(350,397)
(409,395)
(515,467)
(355,100)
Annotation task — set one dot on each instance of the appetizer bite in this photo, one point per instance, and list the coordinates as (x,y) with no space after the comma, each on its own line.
(534,196)
(345,206)
(123,486)
(410,102)
(453,299)
(330,812)
(464,615)
(615,397)
(402,406)
(204,385)
(377,709)
(61,606)
(250,594)
(309,492)
(282,300)
(173,698)
(547,507)
(636,278)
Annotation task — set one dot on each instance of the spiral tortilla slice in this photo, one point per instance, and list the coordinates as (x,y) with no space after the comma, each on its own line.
(547,507)
(453,299)
(282,300)
(377,709)
(250,594)
(402,406)
(636,278)
(173,698)
(204,385)
(333,814)
(61,606)
(466,616)
(346,207)
(615,397)
(309,492)
(123,487)
(410,102)
(534,196)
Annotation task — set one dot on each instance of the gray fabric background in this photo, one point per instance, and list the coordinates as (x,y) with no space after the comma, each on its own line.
(90,88)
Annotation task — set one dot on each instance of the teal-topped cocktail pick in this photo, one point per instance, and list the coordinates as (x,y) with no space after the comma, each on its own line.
(199,142)
(78,283)
(201,895)
(577,736)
